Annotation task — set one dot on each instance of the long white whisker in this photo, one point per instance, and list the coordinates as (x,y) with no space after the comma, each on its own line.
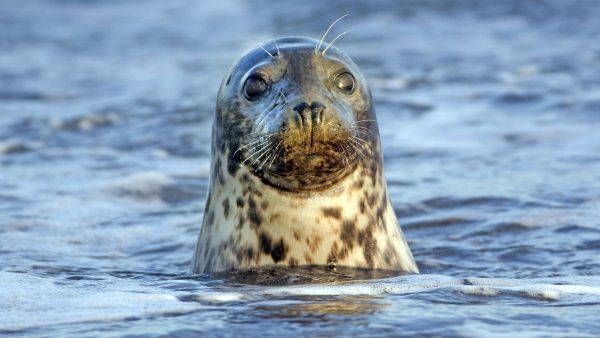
(364,128)
(275,154)
(264,151)
(332,41)
(327,31)
(358,150)
(263,48)
(346,151)
(284,98)
(261,139)
(249,144)
(261,148)
(361,141)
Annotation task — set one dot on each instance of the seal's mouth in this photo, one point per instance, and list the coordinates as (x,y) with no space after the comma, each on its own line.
(297,161)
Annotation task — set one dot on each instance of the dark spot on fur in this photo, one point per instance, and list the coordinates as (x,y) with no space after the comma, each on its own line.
(296,235)
(369,246)
(265,243)
(279,251)
(249,253)
(226,207)
(292,262)
(253,214)
(361,206)
(373,172)
(358,185)
(264,205)
(273,217)
(239,202)
(241,222)
(372,199)
(335,212)
(232,167)
(315,243)
(245,178)
(210,218)
(348,233)
(218,172)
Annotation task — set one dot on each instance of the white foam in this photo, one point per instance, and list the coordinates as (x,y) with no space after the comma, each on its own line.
(543,289)
(220,297)
(30,301)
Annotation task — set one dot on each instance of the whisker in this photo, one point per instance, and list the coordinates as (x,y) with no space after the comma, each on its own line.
(358,150)
(257,45)
(332,41)
(264,151)
(248,145)
(276,46)
(327,31)
(262,139)
(275,153)
(346,153)
(363,129)
(361,141)
(261,149)
(284,98)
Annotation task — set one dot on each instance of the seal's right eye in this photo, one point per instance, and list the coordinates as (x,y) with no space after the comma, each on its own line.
(254,87)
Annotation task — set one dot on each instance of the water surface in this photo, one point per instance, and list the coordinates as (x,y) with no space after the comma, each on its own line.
(489,116)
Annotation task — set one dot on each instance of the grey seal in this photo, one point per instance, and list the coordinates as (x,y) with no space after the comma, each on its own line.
(297,169)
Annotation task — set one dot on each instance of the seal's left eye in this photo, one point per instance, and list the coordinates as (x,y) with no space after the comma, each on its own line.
(345,82)
(254,87)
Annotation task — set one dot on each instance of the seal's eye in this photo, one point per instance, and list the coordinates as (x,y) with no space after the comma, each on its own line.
(254,87)
(345,82)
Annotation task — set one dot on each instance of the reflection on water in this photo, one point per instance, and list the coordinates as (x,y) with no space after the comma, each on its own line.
(489,120)
(314,309)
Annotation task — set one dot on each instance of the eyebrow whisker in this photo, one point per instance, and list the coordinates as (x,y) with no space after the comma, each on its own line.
(332,41)
(327,31)
(261,47)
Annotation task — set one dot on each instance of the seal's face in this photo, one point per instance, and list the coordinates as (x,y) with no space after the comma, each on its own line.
(301,119)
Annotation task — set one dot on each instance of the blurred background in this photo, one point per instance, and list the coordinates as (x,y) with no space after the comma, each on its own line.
(489,114)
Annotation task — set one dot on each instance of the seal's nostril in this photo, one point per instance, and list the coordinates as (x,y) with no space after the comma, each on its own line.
(317,106)
(301,107)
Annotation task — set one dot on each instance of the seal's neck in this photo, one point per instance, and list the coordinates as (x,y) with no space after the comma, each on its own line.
(248,223)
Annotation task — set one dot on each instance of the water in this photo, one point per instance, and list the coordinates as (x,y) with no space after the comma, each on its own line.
(489,112)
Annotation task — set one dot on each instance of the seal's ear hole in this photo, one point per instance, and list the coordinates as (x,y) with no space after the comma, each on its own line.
(254,87)
(345,82)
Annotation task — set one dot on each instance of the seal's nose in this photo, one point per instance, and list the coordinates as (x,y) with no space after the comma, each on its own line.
(310,114)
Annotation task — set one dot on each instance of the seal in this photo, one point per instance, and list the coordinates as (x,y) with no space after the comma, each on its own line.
(297,169)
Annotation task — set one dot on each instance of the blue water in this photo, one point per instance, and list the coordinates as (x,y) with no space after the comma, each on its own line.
(490,124)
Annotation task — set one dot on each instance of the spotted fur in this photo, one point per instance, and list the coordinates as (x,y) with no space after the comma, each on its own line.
(253,218)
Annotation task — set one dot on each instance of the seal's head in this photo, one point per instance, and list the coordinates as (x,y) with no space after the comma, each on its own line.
(299,116)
